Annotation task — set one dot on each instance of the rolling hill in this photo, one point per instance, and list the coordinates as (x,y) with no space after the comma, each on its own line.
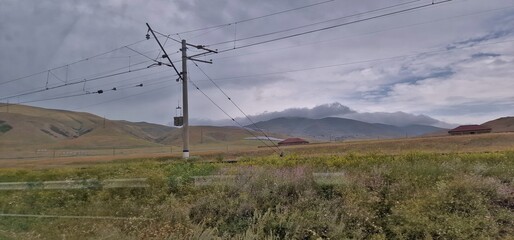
(39,126)
(339,128)
(30,126)
(504,124)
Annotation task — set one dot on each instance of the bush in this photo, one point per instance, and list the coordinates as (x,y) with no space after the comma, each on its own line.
(408,196)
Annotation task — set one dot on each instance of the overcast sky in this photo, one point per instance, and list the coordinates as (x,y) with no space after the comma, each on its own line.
(451,62)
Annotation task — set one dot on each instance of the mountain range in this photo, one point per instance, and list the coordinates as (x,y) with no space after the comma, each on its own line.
(332,128)
(26,125)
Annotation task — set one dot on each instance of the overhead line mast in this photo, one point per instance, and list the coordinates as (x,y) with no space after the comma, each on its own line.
(183,76)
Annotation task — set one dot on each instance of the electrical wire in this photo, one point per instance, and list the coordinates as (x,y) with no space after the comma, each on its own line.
(333,65)
(362,61)
(82,79)
(140,53)
(254,18)
(148,82)
(129,96)
(72,63)
(80,94)
(72,83)
(328,27)
(337,25)
(138,78)
(237,106)
(168,37)
(369,33)
(233,119)
(314,24)
(163,45)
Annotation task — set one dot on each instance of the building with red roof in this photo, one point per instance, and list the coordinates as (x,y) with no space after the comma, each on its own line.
(469,129)
(293,141)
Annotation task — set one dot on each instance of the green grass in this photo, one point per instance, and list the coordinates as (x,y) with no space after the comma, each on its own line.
(380,196)
(4,127)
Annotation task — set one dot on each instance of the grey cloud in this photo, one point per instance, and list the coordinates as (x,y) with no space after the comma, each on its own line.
(397,119)
(37,35)
(321,111)
(481,54)
(335,110)
(317,112)
(480,39)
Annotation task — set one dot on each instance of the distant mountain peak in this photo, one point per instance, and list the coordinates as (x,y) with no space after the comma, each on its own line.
(339,128)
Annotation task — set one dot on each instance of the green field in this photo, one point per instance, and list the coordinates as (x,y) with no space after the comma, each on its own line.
(422,188)
(402,193)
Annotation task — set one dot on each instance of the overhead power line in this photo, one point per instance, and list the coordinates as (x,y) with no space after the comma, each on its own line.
(233,119)
(163,50)
(314,24)
(130,96)
(325,28)
(72,63)
(140,53)
(74,83)
(149,82)
(372,32)
(237,106)
(360,62)
(337,25)
(101,91)
(254,18)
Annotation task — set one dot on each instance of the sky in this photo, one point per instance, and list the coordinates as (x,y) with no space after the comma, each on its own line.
(438,64)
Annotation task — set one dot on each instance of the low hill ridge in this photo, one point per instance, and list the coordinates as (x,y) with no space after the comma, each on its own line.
(504,124)
(339,128)
(26,125)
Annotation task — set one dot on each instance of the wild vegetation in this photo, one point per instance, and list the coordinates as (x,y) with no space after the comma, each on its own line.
(373,196)
(4,127)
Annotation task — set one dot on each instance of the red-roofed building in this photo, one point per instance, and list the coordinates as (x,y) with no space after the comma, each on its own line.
(293,141)
(469,129)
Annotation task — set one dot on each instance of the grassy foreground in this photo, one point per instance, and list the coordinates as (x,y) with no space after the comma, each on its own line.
(375,196)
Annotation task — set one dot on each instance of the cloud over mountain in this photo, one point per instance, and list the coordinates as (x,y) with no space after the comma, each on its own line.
(320,111)
(336,109)
(397,119)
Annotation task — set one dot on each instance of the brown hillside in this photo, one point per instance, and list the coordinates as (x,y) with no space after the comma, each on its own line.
(504,124)
(39,126)
(34,128)
(207,135)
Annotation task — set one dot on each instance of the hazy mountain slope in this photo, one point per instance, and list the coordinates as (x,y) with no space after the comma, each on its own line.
(339,128)
(418,130)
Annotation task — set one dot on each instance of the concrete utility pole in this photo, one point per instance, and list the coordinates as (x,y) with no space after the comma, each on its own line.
(185,103)
(182,76)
